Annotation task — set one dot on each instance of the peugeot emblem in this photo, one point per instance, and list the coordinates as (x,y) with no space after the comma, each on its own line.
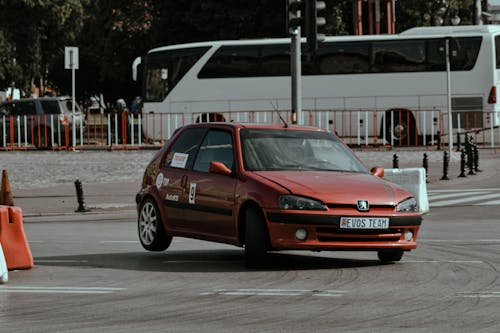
(363,205)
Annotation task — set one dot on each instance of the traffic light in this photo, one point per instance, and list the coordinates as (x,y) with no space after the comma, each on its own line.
(295,14)
(312,22)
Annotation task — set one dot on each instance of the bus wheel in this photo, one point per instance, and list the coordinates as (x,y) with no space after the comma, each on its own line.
(210,118)
(402,129)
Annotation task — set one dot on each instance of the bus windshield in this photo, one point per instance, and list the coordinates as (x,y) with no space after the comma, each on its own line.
(164,69)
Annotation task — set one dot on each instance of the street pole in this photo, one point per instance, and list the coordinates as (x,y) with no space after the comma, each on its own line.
(73,123)
(448,95)
(296,69)
(71,62)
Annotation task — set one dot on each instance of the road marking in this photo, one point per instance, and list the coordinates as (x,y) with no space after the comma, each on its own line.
(49,261)
(489,203)
(59,290)
(469,241)
(275,292)
(439,197)
(480,294)
(464,200)
(444,261)
(119,242)
(486,189)
(451,195)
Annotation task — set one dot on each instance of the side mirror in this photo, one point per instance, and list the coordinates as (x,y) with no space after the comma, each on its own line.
(219,168)
(377,171)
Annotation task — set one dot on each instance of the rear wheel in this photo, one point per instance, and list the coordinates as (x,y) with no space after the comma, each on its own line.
(256,239)
(390,255)
(150,228)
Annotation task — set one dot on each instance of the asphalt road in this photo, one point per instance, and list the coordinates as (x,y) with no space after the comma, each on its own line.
(93,276)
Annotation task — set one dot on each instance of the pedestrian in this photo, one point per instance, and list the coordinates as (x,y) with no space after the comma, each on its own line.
(120,121)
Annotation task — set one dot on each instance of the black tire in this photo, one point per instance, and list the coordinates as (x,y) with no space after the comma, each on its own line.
(150,227)
(390,255)
(210,117)
(256,239)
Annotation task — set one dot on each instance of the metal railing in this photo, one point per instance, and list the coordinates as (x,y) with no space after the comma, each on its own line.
(373,127)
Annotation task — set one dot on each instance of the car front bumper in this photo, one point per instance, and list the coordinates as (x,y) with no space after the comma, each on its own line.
(323,232)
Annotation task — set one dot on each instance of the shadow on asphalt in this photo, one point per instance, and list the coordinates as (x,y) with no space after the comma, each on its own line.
(199,261)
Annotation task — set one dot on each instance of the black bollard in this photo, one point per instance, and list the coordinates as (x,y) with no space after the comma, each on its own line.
(445,166)
(79,195)
(462,164)
(476,159)
(395,162)
(438,140)
(425,165)
(470,155)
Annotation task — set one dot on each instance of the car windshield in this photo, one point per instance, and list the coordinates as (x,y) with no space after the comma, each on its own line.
(268,150)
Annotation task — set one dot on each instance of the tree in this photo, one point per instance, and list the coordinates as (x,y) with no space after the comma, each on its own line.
(34,34)
(111,33)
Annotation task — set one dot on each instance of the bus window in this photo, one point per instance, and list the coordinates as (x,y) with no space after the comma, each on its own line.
(435,59)
(468,50)
(164,69)
(341,58)
(232,61)
(398,56)
(275,60)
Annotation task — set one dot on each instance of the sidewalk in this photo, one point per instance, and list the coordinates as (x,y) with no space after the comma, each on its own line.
(117,194)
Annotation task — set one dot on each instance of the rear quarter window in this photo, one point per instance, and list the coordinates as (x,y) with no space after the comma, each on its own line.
(51,107)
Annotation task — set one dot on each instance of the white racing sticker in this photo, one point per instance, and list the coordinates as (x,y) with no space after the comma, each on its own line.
(172,197)
(192,192)
(161,181)
(179,160)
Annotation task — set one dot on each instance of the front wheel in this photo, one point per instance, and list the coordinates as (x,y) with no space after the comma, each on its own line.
(390,255)
(150,228)
(256,239)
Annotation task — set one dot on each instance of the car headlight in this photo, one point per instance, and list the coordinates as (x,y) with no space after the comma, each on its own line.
(299,203)
(408,205)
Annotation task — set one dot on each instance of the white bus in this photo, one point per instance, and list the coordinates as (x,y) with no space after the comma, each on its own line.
(391,87)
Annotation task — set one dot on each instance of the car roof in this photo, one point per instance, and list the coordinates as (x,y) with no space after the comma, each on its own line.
(44,98)
(241,125)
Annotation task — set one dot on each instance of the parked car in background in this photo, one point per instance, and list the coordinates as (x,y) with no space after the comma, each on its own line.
(271,187)
(42,122)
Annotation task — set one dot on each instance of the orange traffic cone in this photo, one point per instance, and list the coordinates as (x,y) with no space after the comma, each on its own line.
(6,198)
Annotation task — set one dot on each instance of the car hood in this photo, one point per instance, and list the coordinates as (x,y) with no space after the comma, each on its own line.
(338,187)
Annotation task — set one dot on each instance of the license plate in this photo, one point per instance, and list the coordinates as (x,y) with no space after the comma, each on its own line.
(364,223)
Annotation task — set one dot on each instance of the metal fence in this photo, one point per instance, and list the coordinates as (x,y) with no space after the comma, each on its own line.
(396,127)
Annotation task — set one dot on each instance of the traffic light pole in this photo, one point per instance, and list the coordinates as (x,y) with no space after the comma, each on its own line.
(296,69)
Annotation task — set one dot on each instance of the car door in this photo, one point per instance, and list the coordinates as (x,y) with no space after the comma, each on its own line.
(211,197)
(172,177)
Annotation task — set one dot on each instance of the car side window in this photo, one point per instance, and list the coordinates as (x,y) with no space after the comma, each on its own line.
(51,107)
(24,108)
(182,153)
(217,146)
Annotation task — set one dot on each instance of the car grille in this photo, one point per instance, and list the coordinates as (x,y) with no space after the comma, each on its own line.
(337,235)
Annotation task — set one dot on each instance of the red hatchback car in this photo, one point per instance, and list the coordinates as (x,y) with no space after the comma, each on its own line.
(271,187)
